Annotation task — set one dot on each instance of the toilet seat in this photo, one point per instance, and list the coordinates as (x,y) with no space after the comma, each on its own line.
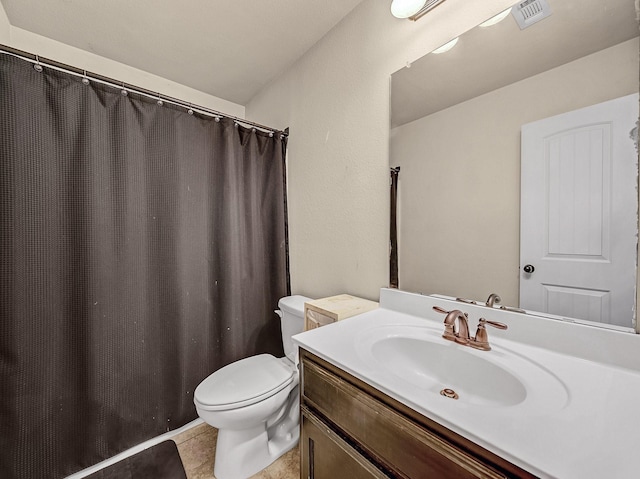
(243,383)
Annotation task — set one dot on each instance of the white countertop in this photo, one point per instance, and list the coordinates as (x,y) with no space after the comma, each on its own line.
(592,431)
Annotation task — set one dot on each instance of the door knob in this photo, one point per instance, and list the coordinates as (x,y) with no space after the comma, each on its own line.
(528,268)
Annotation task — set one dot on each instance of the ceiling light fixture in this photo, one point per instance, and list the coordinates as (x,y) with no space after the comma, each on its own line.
(406,8)
(446,47)
(496,19)
(412,9)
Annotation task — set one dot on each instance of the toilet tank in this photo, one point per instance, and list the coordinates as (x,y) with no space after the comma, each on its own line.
(292,321)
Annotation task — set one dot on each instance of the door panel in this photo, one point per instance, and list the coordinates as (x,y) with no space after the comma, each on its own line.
(579,213)
(576,302)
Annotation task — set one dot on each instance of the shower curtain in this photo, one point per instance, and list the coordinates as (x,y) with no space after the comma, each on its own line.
(393,229)
(141,249)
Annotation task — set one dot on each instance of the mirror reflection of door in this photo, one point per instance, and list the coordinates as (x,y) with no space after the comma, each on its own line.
(579,213)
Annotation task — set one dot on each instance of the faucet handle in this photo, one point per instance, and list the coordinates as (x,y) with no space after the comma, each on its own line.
(444,311)
(481,341)
(495,324)
(440,310)
(450,331)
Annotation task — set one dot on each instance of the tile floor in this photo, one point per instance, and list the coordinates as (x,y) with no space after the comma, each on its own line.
(197,448)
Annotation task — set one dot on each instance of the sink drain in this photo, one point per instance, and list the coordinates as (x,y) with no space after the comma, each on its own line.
(449,393)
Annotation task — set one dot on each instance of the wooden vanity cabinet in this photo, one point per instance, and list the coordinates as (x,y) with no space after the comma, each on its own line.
(351,430)
(326,455)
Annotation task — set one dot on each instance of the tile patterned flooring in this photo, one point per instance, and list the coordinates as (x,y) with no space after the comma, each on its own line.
(197,448)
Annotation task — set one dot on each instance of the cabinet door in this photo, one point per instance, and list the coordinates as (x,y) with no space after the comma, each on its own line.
(327,456)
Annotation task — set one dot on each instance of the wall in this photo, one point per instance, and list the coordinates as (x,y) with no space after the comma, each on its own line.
(469,154)
(5,27)
(335,99)
(47,48)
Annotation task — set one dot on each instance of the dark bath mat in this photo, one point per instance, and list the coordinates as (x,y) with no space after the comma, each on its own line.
(161,461)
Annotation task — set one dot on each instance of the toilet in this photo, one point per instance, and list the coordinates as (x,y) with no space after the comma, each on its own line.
(254,403)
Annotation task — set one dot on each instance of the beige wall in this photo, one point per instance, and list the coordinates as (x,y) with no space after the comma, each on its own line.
(47,48)
(335,99)
(460,177)
(5,27)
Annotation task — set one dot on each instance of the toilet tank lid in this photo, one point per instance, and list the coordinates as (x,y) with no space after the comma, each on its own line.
(293,304)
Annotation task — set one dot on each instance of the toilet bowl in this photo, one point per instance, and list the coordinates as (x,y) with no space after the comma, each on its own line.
(254,403)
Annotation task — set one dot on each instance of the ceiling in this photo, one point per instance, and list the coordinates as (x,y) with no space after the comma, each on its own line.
(486,59)
(227,48)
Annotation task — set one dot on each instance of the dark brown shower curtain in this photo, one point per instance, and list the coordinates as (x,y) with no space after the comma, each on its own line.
(141,249)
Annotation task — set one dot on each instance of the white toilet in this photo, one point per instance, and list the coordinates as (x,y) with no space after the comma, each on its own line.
(254,403)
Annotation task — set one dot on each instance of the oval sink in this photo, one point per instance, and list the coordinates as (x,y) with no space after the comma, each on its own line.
(420,357)
(436,366)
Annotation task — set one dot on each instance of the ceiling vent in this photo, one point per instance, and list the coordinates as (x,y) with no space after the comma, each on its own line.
(530,11)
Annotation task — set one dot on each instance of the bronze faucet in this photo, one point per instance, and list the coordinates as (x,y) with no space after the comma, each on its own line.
(461,336)
(493,299)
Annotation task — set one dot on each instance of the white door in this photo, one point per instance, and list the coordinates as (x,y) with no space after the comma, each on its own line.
(579,213)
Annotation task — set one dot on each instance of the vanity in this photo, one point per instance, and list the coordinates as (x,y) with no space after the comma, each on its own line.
(342,416)
(384,395)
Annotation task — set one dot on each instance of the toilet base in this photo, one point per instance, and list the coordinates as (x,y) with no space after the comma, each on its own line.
(247,456)
(242,453)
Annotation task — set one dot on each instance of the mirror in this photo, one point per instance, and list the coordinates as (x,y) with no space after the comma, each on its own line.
(457,120)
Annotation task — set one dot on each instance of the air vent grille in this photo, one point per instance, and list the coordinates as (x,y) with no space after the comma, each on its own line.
(530,11)
(429,5)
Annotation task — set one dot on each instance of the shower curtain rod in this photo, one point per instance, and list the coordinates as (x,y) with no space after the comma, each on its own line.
(190,107)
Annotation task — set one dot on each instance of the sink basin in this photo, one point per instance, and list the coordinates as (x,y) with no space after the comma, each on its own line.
(422,359)
(437,366)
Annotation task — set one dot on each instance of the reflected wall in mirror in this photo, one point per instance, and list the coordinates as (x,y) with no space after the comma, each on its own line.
(456,134)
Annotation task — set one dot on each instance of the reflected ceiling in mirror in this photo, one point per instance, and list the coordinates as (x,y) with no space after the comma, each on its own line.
(489,58)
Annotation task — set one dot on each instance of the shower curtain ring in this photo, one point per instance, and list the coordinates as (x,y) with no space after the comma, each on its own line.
(159,102)
(85,80)
(124,90)
(190,110)
(37,67)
